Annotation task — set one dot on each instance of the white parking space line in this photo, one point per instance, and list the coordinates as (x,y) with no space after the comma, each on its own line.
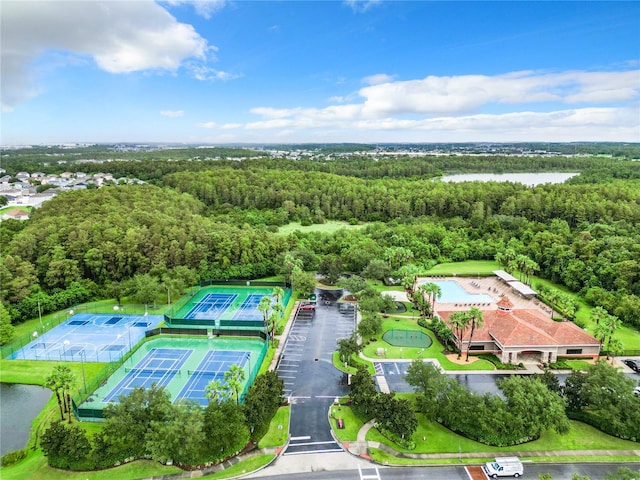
(304,437)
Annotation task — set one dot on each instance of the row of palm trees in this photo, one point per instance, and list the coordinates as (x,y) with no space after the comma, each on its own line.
(272,312)
(460,322)
(60,381)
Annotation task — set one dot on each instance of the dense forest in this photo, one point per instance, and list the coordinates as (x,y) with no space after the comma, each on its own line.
(201,219)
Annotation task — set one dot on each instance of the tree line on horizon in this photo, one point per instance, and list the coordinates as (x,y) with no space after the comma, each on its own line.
(222,222)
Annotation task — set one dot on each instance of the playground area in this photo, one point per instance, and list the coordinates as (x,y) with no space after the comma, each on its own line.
(183,366)
(88,337)
(220,306)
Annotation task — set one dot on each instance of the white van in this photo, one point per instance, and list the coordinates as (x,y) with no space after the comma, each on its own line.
(504,467)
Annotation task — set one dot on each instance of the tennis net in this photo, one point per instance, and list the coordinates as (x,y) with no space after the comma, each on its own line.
(204,373)
(148,372)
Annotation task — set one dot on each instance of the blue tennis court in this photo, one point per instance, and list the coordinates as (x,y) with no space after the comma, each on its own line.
(249,308)
(212,367)
(88,337)
(159,366)
(212,306)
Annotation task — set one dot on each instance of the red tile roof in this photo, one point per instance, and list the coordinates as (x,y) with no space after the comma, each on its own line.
(526,328)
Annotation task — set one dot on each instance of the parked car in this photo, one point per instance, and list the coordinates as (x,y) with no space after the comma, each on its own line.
(633,365)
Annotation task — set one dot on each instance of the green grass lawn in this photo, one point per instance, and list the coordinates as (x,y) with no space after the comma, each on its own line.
(410,353)
(36,467)
(278,429)
(468,268)
(33,372)
(352,423)
(328,227)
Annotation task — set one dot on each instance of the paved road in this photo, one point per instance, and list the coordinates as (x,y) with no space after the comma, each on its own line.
(562,471)
(311,381)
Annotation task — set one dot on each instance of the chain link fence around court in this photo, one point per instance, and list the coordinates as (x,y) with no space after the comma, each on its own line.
(86,413)
(51,321)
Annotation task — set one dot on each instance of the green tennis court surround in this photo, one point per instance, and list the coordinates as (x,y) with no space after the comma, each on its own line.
(225,305)
(407,338)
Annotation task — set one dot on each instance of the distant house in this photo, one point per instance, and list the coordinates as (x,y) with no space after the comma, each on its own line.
(15,214)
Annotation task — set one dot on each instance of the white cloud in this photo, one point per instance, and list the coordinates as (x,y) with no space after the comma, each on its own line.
(603,106)
(360,6)
(378,79)
(467,93)
(120,36)
(172,113)
(202,72)
(229,126)
(204,8)
(208,125)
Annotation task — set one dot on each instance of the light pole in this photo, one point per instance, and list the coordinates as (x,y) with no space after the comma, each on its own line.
(35,335)
(84,380)
(249,360)
(40,316)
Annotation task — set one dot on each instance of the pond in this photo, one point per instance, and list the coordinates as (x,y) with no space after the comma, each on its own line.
(529,179)
(19,405)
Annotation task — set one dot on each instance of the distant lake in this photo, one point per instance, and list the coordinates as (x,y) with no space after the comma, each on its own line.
(529,179)
(19,405)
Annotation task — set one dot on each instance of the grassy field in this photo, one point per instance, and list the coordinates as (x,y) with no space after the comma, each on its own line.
(410,353)
(328,227)
(468,268)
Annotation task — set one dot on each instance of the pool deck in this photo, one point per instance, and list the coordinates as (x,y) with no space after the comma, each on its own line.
(491,286)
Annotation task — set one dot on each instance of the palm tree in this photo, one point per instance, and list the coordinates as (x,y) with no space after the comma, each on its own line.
(213,389)
(274,318)
(476,320)
(234,378)
(614,347)
(434,292)
(53,382)
(597,314)
(601,331)
(263,307)
(459,322)
(612,322)
(278,294)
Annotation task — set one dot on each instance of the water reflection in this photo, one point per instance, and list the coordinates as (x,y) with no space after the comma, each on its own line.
(19,405)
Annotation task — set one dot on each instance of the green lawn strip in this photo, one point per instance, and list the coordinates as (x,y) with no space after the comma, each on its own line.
(278,431)
(352,423)
(245,466)
(34,372)
(439,439)
(579,365)
(410,353)
(328,227)
(36,467)
(468,268)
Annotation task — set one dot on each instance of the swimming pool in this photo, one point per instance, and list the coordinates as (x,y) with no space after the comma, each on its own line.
(452,292)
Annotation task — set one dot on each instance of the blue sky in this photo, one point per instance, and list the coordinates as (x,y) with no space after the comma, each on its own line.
(328,71)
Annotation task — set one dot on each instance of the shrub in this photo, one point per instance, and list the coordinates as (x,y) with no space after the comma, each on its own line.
(13,457)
